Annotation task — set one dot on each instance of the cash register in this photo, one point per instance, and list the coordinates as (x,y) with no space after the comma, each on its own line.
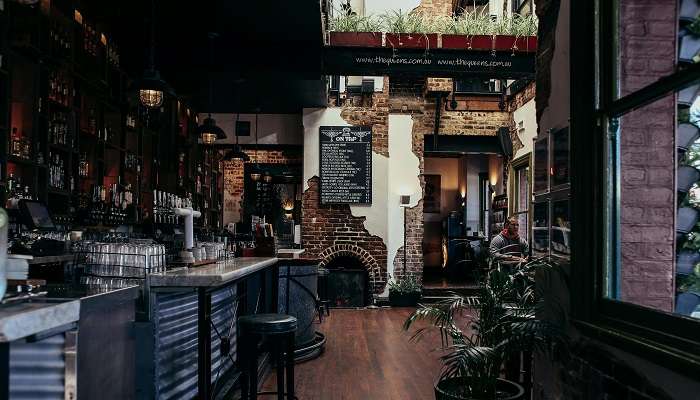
(37,241)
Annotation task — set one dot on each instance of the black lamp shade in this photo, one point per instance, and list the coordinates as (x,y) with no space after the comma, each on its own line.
(237,155)
(210,132)
(152,89)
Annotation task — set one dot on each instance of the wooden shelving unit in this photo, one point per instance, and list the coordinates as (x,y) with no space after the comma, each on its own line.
(499,213)
(55,68)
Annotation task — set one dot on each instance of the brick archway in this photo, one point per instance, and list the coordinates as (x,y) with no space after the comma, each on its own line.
(374,269)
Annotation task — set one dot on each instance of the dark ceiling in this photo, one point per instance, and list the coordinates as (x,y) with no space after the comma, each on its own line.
(267,54)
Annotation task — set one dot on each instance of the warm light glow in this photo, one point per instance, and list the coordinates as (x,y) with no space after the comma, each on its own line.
(208,138)
(103,39)
(151,98)
(255,176)
(463,192)
(288,205)
(78,17)
(267,178)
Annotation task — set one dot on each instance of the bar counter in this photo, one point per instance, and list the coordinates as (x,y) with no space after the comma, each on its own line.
(211,275)
(188,304)
(76,341)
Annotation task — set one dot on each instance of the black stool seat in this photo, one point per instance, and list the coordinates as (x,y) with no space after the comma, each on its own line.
(268,324)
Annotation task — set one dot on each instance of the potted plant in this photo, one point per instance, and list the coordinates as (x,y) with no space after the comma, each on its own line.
(350,29)
(470,31)
(409,30)
(405,291)
(479,339)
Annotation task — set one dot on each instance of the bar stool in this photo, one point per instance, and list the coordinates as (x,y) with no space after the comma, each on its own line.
(279,331)
(324,301)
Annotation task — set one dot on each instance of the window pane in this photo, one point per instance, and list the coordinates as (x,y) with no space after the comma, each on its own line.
(523,228)
(654,207)
(561,229)
(522,185)
(648,45)
(541,161)
(540,229)
(560,157)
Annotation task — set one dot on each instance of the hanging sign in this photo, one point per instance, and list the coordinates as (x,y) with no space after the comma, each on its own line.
(345,164)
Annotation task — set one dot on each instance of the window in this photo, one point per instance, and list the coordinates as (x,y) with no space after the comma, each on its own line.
(521,195)
(633,140)
(478,86)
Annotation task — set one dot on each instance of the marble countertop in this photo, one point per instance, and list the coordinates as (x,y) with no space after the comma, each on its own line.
(211,275)
(25,318)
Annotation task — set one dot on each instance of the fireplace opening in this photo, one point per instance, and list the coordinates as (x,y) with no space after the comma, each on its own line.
(348,285)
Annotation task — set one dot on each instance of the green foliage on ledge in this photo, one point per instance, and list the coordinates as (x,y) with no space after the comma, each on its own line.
(470,23)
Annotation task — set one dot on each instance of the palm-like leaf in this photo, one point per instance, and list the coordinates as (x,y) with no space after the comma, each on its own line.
(505,320)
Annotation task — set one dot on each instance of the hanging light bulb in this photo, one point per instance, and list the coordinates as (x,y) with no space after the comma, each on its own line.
(255,175)
(152,88)
(210,132)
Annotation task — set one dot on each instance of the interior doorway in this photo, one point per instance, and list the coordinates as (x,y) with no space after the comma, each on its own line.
(456,206)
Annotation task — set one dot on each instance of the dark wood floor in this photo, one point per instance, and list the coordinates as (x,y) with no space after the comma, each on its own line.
(368,357)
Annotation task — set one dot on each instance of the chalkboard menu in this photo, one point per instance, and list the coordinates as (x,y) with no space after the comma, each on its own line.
(346,164)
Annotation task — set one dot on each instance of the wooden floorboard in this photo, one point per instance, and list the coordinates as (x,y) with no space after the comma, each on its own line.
(368,357)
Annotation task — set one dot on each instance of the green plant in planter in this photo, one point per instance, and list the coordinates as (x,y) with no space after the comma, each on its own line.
(397,21)
(505,321)
(405,291)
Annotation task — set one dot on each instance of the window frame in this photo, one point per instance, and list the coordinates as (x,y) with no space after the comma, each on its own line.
(523,162)
(662,338)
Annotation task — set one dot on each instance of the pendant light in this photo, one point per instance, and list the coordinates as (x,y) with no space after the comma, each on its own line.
(152,88)
(256,175)
(209,132)
(267,177)
(237,154)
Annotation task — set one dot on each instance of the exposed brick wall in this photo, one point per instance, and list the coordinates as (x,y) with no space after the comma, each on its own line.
(331,230)
(593,373)
(376,115)
(647,49)
(436,7)
(234,177)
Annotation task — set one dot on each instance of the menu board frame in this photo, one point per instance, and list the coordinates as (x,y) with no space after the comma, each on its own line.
(361,135)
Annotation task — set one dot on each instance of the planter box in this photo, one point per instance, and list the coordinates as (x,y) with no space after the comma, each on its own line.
(486,42)
(687,218)
(686,177)
(507,390)
(412,40)
(356,39)
(687,135)
(404,299)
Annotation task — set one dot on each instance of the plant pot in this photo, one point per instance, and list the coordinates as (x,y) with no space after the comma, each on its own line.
(686,260)
(688,95)
(356,39)
(412,40)
(445,389)
(468,42)
(687,176)
(687,303)
(516,43)
(690,45)
(689,9)
(404,299)
(687,134)
(687,218)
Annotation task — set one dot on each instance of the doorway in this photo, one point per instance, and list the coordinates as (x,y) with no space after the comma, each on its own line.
(456,204)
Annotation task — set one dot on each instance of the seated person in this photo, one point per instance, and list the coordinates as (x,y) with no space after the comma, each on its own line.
(507,248)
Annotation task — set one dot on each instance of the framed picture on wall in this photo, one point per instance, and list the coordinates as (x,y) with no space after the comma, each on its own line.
(431,196)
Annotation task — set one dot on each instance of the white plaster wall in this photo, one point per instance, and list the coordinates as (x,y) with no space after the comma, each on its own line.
(403,179)
(526,118)
(272,128)
(381,6)
(375,213)
(391,177)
